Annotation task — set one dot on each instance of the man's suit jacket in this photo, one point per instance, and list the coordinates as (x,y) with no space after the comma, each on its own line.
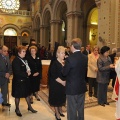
(4,69)
(86,53)
(75,71)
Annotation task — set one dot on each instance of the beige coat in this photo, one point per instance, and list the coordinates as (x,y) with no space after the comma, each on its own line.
(92,66)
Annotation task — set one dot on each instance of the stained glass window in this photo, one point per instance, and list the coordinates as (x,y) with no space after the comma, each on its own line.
(7,5)
(10,32)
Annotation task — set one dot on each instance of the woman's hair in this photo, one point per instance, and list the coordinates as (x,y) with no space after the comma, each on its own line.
(33,47)
(20,48)
(104,49)
(60,49)
(94,47)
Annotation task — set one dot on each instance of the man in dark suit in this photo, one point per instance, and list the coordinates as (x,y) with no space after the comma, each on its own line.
(4,74)
(87,50)
(74,70)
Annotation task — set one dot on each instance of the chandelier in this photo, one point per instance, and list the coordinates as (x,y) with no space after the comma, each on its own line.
(9,6)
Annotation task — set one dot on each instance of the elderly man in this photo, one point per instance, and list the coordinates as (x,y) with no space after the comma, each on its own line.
(74,70)
(4,74)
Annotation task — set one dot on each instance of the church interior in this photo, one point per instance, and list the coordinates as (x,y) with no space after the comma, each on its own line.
(96,22)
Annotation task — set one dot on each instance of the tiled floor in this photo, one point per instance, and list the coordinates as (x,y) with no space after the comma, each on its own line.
(45,113)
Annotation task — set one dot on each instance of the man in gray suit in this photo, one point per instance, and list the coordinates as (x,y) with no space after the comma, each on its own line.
(4,74)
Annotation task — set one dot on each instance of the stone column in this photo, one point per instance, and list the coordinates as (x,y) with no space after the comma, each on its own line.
(56,31)
(106,22)
(73,25)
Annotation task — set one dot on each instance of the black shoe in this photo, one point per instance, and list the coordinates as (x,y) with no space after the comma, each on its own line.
(107,103)
(38,99)
(57,118)
(61,114)
(18,113)
(32,110)
(102,104)
(7,104)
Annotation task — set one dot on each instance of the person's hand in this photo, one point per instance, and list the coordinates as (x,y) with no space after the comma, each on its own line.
(63,83)
(112,66)
(36,74)
(7,75)
(29,73)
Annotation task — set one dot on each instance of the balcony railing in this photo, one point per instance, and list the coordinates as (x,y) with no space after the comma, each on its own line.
(19,12)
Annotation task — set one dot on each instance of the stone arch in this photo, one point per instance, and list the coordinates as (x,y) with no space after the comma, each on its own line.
(86,6)
(37,24)
(60,9)
(46,19)
(10,26)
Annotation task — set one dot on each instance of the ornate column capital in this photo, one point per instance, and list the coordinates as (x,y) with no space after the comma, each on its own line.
(74,14)
(56,21)
(98,3)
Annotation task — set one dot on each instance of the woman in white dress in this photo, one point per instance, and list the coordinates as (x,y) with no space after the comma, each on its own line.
(116,91)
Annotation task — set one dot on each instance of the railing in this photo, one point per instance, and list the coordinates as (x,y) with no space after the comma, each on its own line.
(19,12)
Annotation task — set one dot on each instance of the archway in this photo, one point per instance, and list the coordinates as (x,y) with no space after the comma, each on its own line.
(10,38)
(38,30)
(25,36)
(92,26)
(61,10)
(46,24)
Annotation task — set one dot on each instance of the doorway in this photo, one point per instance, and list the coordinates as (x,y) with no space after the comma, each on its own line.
(10,38)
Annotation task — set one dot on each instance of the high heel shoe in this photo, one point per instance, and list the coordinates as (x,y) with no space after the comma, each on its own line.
(57,118)
(18,113)
(32,110)
(61,114)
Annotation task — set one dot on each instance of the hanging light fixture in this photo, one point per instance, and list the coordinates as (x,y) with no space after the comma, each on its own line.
(9,6)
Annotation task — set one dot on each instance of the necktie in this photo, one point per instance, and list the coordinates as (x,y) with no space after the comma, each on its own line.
(4,58)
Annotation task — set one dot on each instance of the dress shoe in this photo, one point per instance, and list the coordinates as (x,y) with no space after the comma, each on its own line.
(38,99)
(57,118)
(18,113)
(6,104)
(107,103)
(61,114)
(102,104)
(32,110)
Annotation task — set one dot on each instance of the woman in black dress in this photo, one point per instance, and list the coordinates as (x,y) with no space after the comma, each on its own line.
(35,65)
(21,82)
(57,97)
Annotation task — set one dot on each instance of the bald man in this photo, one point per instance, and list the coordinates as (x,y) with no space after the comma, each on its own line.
(4,74)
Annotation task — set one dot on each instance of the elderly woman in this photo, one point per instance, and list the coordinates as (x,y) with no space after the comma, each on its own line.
(92,71)
(21,82)
(35,65)
(104,66)
(57,95)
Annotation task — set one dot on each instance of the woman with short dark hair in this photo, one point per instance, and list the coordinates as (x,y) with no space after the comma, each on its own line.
(104,66)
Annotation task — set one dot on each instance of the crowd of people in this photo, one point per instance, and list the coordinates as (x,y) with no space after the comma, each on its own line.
(70,70)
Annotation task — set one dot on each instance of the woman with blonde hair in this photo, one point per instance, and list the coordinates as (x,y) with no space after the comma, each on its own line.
(57,82)
(92,71)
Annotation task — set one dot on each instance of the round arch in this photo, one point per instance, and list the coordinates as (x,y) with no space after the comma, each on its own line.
(10,26)
(60,9)
(46,19)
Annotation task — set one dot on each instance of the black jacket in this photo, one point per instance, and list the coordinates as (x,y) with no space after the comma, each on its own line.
(75,71)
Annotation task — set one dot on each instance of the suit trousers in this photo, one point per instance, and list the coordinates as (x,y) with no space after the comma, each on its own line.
(75,107)
(4,91)
(102,93)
